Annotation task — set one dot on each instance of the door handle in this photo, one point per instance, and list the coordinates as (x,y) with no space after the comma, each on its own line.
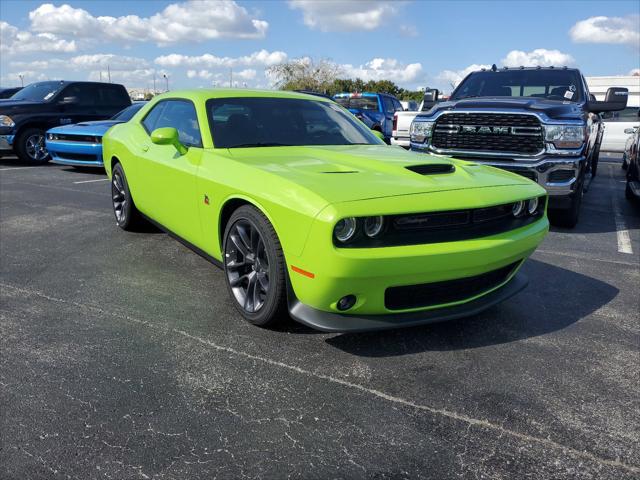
(145,148)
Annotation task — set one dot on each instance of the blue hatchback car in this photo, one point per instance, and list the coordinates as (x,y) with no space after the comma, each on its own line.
(80,145)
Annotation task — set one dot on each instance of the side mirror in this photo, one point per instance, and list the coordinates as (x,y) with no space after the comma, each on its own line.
(630,131)
(168,136)
(378,134)
(615,100)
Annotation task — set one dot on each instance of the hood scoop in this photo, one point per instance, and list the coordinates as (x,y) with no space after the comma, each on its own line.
(432,168)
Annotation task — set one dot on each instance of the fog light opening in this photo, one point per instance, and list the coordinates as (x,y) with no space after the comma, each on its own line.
(346,302)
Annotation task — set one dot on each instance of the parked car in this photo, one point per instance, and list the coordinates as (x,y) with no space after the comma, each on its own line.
(80,144)
(402,120)
(616,123)
(308,211)
(374,109)
(632,157)
(538,122)
(8,92)
(409,105)
(32,111)
(629,145)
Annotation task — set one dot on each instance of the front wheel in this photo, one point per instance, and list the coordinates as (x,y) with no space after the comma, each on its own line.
(254,267)
(568,217)
(30,146)
(125,211)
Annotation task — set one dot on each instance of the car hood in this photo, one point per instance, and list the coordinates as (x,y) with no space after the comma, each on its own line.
(551,108)
(97,128)
(359,172)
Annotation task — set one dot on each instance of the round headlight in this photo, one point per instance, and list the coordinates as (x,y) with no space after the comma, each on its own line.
(345,229)
(532,206)
(373,226)
(50,136)
(518,209)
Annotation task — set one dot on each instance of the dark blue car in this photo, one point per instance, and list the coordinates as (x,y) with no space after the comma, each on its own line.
(374,109)
(80,145)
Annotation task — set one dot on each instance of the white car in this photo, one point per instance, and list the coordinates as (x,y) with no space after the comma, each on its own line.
(615,138)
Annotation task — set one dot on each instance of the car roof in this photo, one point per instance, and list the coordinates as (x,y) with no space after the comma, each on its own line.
(204,94)
(358,94)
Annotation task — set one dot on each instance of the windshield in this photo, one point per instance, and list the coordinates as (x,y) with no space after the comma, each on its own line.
(38,92)
(562,85)
(270,122)
(361,103)
(128,113)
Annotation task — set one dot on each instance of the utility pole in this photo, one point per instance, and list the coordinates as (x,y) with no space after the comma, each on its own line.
(109,73)
(100,75)
(21,79)
(167,79)
(231,78)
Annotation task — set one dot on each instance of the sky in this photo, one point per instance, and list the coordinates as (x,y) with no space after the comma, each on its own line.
(413,43)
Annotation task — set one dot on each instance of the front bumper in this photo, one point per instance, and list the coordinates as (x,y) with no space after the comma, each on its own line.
(368,273)
(401,141)
(337,322)
(75,153)
(6,142)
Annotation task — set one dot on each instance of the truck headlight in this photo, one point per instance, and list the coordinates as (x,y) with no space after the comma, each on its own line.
(565,136)
(420,131)
(5,121)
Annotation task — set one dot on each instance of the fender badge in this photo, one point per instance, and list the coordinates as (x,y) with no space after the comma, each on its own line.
(206,200)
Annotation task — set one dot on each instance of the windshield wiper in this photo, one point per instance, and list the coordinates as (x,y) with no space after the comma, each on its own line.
(260,144)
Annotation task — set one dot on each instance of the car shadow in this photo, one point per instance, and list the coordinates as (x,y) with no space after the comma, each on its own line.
(12,161)
(555,299)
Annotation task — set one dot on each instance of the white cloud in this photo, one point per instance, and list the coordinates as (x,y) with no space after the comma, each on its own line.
(635,72)
(194,20)
(246,74)
(453,77)
(347,15)
(409,30)
(384,69)
(539,57)
(104,60)
(620,30)
(259,58)
(13,41)
(140,77)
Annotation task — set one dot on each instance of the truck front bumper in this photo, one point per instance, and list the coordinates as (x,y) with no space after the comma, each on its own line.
(6,143)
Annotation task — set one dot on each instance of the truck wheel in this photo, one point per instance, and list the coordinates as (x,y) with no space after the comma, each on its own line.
(568,217)
(254,267)
(624,161)
(30,147)
(628,193)
(594,163)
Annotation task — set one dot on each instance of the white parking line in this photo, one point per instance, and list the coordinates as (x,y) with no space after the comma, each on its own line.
(16,168)
(91,181)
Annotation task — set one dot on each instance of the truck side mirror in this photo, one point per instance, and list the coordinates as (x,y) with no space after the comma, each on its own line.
(615,100)
(168,136)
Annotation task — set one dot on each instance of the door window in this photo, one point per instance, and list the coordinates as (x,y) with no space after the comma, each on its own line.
(83,92)
(179,114)
(388,105)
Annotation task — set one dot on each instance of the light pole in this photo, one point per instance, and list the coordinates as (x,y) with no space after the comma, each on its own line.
(154,82)
(167,80)
(21,79)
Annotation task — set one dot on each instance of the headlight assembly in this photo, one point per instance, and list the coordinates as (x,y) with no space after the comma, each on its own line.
(420,131)
(345,229)
(373,226)
(565,136)
(6,121)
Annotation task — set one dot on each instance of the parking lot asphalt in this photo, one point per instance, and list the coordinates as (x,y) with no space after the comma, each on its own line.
(121,357)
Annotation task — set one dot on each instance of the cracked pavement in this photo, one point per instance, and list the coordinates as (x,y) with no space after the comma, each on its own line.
(122,357)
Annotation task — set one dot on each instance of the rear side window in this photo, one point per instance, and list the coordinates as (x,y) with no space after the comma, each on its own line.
(179,114)
(83,92)
(113,95)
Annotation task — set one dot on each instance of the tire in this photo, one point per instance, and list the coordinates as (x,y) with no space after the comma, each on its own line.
(30,147)
(624,161)
(594,163)
(127,215)
(568,217)
(628,193)
(254,267)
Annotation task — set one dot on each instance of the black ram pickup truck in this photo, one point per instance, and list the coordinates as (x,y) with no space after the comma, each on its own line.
(541,123)
(27,115)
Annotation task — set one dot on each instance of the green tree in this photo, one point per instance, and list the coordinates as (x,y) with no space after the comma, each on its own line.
(304,74)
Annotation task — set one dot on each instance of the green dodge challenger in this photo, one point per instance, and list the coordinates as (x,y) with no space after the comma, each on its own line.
(308,212)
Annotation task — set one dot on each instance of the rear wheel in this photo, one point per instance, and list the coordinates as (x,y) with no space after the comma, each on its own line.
(254,267)
(125,211)
(624,161)
(30,146)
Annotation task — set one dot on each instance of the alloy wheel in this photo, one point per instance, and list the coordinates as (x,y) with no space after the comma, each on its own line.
(247,265)
(119,196)
(35,147)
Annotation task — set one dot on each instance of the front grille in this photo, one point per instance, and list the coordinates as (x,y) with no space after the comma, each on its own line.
(78,138)
(530,174)
(488,132)
(559,176)
(449,291)
(446,226)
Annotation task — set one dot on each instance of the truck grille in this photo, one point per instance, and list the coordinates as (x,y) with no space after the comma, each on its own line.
(439,293)
(488,132)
